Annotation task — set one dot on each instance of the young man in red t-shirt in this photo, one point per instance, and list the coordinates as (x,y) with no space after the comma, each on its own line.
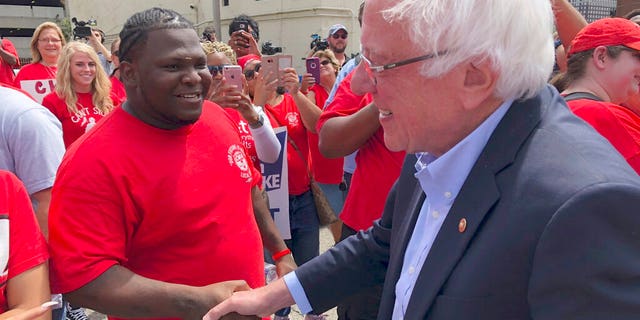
(156,210)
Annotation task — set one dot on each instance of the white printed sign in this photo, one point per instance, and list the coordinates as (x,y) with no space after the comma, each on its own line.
(276,182)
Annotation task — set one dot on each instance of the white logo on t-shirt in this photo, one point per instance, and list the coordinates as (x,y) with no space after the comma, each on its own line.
(236,157)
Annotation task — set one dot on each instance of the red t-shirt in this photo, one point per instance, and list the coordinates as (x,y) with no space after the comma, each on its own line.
(377,168)
(22,246)
(324,170)
(286,113)
(37,79)
(6,70)
(117,90)
(247,139)
(170,205)
(74,125)
(616,123)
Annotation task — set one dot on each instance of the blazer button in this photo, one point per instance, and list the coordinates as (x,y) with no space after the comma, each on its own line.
(462,225)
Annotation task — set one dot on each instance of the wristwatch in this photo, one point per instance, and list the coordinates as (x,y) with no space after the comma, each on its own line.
(258,123)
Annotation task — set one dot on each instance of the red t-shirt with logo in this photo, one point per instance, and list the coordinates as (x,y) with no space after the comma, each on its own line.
(617,124)
(44,80)
(286,114)
(74,125)
(170,205)
(6,70)
(22,246)
(246,137)
(324,170)
(377,168)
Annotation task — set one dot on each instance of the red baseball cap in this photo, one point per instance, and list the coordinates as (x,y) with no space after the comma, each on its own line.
(242,61)
(606,32)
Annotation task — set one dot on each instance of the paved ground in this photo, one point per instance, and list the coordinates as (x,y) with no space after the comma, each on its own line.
(326,241)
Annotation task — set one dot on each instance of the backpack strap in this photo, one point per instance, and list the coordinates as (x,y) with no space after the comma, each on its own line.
(581,95)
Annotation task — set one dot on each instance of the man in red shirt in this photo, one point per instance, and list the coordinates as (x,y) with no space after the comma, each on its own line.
(9,60)
(152,211)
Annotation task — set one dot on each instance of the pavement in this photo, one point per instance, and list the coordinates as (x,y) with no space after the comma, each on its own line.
(326,241)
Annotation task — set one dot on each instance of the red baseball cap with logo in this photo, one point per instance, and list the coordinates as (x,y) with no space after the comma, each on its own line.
(606,32)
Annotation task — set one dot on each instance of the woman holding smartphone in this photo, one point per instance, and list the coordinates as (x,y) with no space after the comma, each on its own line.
(254,127)
(83,91)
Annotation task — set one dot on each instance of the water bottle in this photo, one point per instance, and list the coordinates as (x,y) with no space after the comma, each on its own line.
(270,274)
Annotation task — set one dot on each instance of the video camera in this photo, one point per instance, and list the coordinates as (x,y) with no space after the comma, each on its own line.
(318,43)
(269,50)
(82,29)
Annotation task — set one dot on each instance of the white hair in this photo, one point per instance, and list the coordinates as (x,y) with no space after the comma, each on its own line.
(515,36)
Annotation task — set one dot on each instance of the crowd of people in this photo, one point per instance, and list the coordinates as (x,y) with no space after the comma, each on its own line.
(470,182)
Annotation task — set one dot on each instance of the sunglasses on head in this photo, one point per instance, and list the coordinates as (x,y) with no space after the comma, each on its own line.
(214,70)
(336,36)
(250,74)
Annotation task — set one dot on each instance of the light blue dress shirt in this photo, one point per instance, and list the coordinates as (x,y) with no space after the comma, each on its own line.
(441,179)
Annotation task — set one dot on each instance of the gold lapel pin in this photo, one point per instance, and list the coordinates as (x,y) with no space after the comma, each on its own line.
(462,225)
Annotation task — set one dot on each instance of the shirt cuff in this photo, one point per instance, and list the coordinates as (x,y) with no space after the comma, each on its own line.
(297,292)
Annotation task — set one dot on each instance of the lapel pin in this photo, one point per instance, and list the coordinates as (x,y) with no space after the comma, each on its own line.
(462,225)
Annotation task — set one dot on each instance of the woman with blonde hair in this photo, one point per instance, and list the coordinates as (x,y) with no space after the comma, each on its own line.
(38,77)
(83,91)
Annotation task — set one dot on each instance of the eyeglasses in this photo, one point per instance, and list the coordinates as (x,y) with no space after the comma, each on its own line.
(49,40)
(336,36)
(372,70)
(325,62)
(214,70)
(250,74)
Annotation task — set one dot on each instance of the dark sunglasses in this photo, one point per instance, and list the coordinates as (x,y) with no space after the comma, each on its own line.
(250,74)
(336,36)
(325,62)
(116,53)
(214,70)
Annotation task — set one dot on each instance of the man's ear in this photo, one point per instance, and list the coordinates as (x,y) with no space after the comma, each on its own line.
(479,82)
(600,57)
(128,74)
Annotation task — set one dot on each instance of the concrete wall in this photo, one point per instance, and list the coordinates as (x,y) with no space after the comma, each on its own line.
(26,17)
(286,23)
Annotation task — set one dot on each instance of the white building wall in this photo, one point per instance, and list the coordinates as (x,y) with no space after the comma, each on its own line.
(286,23)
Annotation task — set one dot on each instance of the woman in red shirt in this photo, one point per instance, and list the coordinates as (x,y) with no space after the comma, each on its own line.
(83,91)
(38,77)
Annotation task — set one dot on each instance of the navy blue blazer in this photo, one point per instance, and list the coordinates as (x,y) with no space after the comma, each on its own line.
(553,231)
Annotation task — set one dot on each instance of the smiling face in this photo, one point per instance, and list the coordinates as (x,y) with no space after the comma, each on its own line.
(622,76)
(49,45)
(167,79)
(417,114)
(83,71)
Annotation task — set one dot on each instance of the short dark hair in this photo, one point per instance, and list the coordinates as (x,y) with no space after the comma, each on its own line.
(576,64)
(136,29)
(632,14)
(243,18)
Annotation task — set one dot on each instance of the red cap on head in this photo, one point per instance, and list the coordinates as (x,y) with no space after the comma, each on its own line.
(606,32)
(242,61)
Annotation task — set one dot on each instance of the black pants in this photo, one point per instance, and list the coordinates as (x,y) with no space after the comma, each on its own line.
(363,305)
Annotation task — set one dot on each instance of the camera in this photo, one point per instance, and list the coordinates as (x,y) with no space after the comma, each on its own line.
(318,43)
(82,29)
(269,49)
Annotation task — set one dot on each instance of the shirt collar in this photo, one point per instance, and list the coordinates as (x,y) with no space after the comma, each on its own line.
(444,175)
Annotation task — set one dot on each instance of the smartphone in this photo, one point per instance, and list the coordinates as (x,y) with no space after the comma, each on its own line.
(233,75)
(313,67)
(276,64)
(243,26)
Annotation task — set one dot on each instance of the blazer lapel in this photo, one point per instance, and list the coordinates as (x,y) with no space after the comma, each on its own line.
(476,198)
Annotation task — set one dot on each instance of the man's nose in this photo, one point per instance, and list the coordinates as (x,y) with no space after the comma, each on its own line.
(361,82)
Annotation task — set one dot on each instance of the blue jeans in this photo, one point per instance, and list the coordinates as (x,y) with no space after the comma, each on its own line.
(305,228)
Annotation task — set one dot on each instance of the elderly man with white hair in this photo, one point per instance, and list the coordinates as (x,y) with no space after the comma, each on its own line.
(508,206)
